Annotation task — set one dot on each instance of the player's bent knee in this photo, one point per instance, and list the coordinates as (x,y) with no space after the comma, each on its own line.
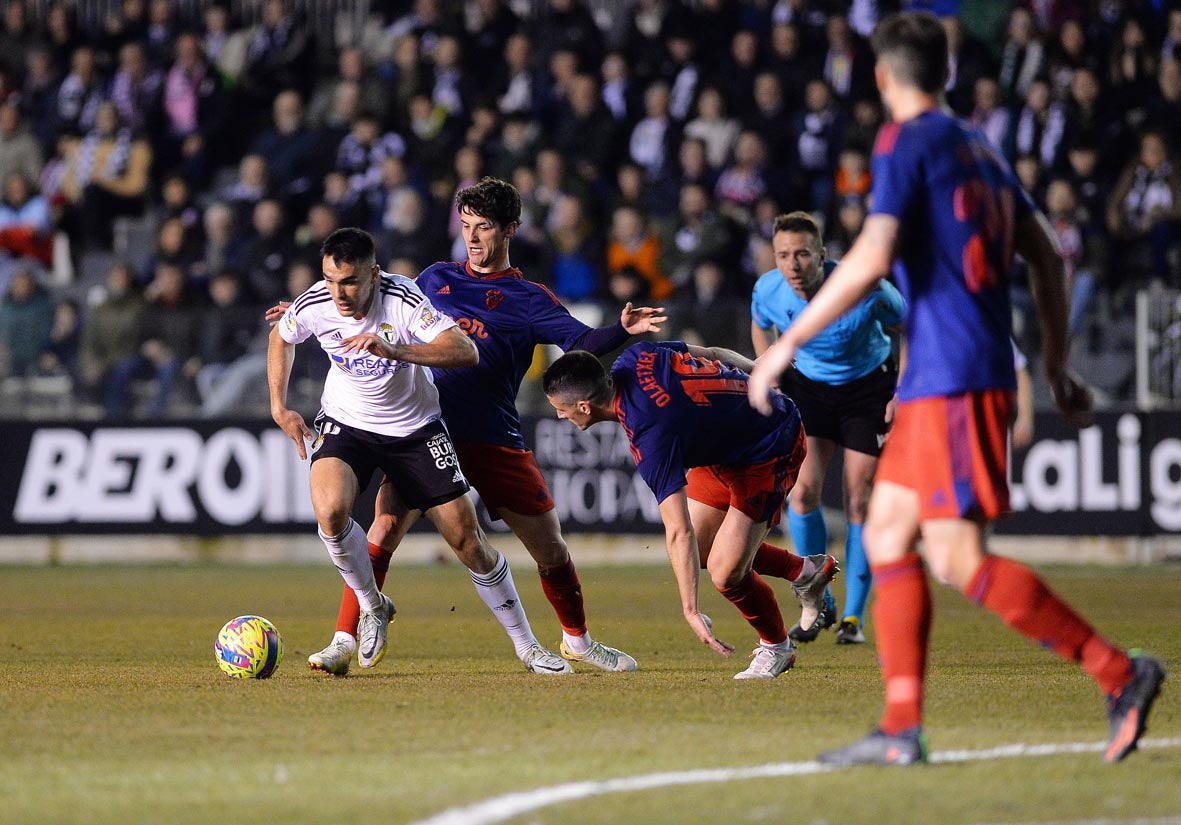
(804,499)
(333,520)
(883,544)
(474,553)
(726,579)
(550,554)
(382,527)
(954,569)
(941,571)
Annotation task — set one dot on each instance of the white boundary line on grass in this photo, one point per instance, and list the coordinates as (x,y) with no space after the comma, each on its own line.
(502,808)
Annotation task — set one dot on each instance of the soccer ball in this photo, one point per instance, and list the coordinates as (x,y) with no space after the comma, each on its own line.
(248,647)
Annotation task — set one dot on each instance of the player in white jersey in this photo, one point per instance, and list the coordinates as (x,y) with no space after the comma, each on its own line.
(380,410)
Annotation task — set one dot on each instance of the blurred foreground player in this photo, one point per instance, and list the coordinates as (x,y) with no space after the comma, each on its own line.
(949,213)
(684,407)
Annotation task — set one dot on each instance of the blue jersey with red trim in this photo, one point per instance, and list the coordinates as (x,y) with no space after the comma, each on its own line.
(682,411)
(958,203)
(506,316)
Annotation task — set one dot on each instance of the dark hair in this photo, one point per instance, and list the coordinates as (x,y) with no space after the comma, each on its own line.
(915,46)
(577,376)
(491,198)
(797,222)
(350,245)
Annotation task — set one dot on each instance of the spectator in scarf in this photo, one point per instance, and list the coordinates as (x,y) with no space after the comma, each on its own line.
(1144,208)
(106,178)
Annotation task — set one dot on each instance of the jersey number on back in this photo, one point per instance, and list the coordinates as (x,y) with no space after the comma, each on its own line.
(702,378)
(988,253)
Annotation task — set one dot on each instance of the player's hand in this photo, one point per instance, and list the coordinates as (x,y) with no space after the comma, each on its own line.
(768,367)
(637,320)
(297,430)
(704,628)
(891,408)
(276,312)
(1073,399)
(371,343)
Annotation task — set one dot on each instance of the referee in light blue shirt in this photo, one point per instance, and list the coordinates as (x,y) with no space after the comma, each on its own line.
(843,383)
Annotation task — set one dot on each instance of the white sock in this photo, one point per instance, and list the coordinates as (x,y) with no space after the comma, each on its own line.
(346,639)
(577,644)
(498,591)
(350,553)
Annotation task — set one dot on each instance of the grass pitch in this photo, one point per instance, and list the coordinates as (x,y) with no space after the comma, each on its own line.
(112,709)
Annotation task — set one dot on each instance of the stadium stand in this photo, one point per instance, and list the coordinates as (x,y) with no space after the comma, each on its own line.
(217,137)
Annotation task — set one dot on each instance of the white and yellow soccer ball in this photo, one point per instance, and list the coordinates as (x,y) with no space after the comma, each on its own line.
(248,647)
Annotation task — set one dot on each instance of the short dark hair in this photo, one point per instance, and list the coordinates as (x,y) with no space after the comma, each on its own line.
(491,198)
(797,222)
(350,245)
(915,46)
(577,376)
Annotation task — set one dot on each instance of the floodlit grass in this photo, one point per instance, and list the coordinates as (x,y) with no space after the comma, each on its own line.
(113,711)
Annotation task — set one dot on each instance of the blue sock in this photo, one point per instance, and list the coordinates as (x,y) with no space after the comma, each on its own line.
(858,579)
(808,532)
(810,536)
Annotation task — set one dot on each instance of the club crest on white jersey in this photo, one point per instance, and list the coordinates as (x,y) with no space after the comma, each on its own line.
(364,390)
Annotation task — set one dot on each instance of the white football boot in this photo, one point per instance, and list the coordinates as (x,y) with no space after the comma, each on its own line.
(769,662)
(335,658)
(540,660)
(371,632)
(602,657)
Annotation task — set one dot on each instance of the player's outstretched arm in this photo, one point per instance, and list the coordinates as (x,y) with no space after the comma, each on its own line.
(638,320)
(280,356)
(1037,244)
(602,340)
(681,544)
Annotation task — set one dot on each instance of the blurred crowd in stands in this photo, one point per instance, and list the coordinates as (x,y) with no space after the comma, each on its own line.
(169,168)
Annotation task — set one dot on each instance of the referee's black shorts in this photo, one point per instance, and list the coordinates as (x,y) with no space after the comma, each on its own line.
(853,414)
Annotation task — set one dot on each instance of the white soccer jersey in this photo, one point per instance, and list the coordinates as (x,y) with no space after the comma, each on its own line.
(362,390)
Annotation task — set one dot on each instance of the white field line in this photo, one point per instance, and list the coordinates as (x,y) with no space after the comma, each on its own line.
(502,808)
(1166,820)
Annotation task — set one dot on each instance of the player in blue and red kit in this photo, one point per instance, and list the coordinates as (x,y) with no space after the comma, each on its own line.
(949,214)
(506,316)
(684,407)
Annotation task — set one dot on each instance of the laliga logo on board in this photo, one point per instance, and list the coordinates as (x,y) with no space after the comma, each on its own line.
(1076,475)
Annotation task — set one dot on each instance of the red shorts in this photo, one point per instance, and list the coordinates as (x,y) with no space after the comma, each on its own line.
(759,490)
(504,477)
(952,450)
